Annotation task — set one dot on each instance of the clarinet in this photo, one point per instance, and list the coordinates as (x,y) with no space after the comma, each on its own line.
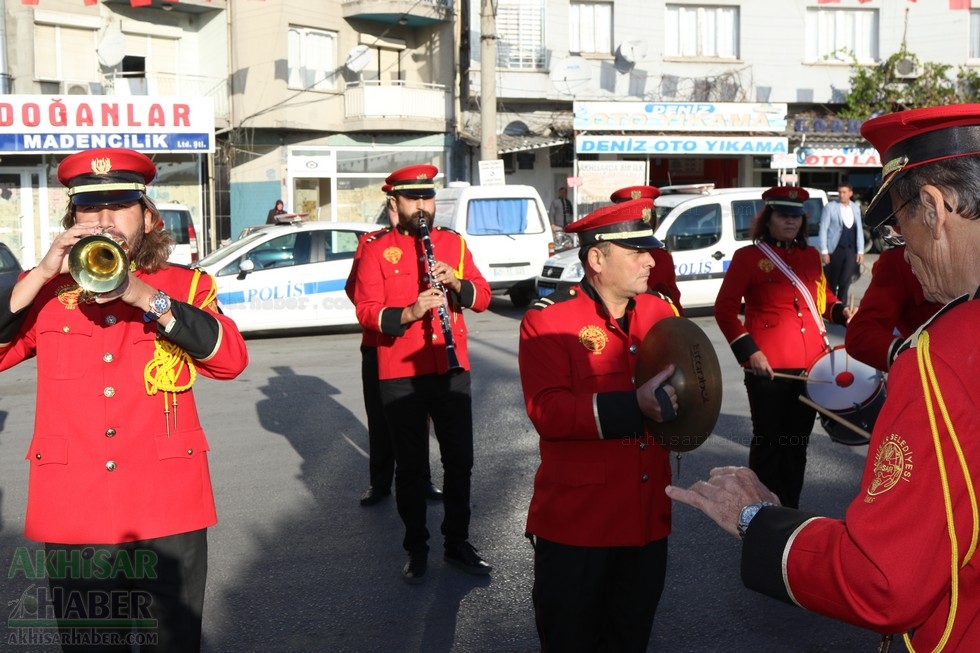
(447,326)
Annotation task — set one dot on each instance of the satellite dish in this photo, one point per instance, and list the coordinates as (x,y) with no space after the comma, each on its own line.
(358,58)
(571,75)
(112,48)
(632,51)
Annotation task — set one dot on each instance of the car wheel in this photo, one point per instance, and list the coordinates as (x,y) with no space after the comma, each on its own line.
(872,244)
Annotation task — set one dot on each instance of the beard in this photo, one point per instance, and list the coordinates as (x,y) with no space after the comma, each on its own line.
(410,221)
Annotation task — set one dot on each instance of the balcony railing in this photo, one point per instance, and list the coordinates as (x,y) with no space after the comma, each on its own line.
(367,100)
(127,84)
(410,13)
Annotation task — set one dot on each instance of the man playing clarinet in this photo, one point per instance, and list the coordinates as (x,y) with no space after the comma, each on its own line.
(412,286)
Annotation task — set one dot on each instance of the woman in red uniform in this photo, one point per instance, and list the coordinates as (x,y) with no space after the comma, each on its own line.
(780,279)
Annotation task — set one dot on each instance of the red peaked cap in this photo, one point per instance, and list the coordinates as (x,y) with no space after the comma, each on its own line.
(788,200)
(628,224)
(908,139)
(108,175)
(635,193)
(414,181)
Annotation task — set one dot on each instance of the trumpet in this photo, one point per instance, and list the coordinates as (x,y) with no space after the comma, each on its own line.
(98,264)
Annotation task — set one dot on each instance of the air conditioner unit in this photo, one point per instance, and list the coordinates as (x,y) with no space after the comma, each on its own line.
(906,69)
(76,88)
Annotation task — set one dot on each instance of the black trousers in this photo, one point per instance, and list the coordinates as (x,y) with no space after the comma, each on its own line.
(840,271)
(597,599)
(781,426)
(409,403)
(381,452)
(156,584)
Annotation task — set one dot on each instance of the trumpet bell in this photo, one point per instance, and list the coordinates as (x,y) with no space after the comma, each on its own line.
(98,264)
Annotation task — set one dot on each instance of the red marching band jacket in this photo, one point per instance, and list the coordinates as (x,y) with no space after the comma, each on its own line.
(602,477)
(391,272)
(105,467)
(777,319)
(888,567)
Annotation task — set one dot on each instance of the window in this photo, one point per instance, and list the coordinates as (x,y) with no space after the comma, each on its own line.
(507,216)
(701,32)
(840,34)
(60,53)
(312,59)
(695,228)
(975,34)
(520,34)
(590,27)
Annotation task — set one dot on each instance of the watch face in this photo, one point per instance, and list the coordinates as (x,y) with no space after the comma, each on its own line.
(161,303)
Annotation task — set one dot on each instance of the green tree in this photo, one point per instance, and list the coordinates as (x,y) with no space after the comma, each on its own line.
(883,88)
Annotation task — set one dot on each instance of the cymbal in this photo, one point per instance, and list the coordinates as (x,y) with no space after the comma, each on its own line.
(697,380)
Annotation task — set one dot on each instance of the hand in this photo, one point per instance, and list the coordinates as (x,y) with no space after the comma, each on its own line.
(825,258)
(759,365)
(443,273)
(424,303)
(646,397)
(724,494)
(860,258)
(55,260)
(849,314)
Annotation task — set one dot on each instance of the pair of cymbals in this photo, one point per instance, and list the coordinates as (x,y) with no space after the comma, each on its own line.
(696,379)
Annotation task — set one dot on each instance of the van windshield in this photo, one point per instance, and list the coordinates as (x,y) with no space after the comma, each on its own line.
(503,216)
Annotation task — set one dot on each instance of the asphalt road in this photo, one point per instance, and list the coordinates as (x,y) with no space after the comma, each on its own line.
(297,565)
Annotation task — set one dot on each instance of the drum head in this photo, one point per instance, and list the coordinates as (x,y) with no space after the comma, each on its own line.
(840,383)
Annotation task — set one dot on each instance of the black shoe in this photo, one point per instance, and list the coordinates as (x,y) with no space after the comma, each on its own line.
(432,493)
(414,571)
(465,557)
(373,495)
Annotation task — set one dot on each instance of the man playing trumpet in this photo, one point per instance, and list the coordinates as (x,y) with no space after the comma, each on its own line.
(119,469)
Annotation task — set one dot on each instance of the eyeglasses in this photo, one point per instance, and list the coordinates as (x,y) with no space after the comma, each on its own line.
(888,229)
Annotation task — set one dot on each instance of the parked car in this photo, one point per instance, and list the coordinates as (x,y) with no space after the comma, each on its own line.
(701,227)
(287,276)
(10,267)
(506,229)
(178,221)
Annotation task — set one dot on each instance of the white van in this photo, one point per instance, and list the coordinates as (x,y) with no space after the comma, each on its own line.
(506,229)
(701,227)
(177,220)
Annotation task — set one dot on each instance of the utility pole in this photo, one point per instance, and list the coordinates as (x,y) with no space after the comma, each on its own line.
(488,81)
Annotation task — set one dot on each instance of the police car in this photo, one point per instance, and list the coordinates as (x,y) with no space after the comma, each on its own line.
(701,227)
(287,276)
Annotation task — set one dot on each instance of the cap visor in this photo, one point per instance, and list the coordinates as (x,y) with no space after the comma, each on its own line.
(788,210)
(645,242)
(880,206)
(96,198)
(417,194)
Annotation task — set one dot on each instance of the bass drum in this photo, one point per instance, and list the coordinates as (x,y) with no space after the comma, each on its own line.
(850,390)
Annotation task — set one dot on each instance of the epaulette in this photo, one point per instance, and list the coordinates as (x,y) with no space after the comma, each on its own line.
(452,231)
(377,234)
(657,293)
(913,339)
(561,295)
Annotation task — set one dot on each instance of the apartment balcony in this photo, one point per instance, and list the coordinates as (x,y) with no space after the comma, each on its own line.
(396,106)
(408,13)
(127,84)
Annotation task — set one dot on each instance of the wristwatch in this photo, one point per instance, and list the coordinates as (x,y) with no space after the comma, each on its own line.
(747,514)
(159,304)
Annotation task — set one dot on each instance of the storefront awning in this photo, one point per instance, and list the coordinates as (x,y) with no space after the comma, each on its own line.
(507,144)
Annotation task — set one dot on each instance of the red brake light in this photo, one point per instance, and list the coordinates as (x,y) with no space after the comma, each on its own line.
(192,239)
